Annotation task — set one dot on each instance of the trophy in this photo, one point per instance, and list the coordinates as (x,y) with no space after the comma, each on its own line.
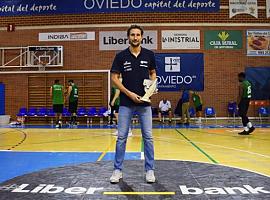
(150,88)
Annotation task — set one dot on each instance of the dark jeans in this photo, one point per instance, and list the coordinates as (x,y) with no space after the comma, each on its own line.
(243,109)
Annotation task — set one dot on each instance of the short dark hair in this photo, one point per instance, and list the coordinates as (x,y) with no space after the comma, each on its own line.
(242,75)
(56,81)
(134,27)
(70,81)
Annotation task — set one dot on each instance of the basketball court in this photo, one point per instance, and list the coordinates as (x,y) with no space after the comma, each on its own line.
(196,162)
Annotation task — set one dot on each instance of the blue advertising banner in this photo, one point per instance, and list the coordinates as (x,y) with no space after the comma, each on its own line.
(180,71)
(260,80)
(49,7)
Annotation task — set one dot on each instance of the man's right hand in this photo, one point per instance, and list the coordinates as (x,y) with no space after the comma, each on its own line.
(136,98)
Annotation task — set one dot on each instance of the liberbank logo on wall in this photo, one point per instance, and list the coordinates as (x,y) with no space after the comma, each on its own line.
(38,7)
(178,71)
(223,39)
(117,40)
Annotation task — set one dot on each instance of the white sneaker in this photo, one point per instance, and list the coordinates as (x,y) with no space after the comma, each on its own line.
(129,132)
(116,176)
(115,133)
(150,176)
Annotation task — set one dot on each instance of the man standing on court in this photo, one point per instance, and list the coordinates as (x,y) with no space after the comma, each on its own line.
(72,97)
(57,95)
(185,107)
(243,100)
(134,64)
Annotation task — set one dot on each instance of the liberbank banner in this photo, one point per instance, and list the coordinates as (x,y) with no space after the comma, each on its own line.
(48,7)
(178,71)
(117,40)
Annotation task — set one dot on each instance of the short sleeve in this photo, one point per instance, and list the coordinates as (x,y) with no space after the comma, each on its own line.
(160,104)
(169,104)
(152,61)
(116,66)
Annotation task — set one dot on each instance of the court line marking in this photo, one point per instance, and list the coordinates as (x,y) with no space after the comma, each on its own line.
(105,152)
(231,148)
(224,147)
(22,140)
(224,135)
(139,193)
(220,164)
(197,147)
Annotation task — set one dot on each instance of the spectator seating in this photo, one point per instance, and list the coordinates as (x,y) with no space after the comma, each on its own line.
(42,112)
(232,109)
(101,111)
(82,112)
(32,112)
(192,112)
(66,113)
(263,112)
(50,112)
(22,112)
(92,112)
(210,112)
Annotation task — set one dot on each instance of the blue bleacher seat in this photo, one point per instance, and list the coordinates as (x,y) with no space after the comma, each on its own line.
(22,112)
(263,112)
(101,111)
(32,112)
(192,112)
(42,112)
(210,112)
(232,109)
(66,113)
(92,111)
(50,112)
(82,111)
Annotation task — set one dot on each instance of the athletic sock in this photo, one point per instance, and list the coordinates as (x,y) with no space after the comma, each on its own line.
(246,128)
(249,125)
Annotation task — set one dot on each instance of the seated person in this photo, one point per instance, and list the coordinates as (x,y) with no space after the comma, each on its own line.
(165,108)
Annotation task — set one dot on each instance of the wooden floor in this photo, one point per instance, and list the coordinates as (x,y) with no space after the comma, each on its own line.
(210,145)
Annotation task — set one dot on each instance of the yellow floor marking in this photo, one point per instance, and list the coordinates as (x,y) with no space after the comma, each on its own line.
(139,193)
(104,152)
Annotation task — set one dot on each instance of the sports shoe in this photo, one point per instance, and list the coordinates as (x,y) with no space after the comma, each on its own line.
(244,133)
(129,132)
(115,133)
(251,129)
(150,176)
(116,176)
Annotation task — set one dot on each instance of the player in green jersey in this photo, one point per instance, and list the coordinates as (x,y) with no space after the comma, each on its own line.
(114,103)
(243,100)
(57,95)
(72,98)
